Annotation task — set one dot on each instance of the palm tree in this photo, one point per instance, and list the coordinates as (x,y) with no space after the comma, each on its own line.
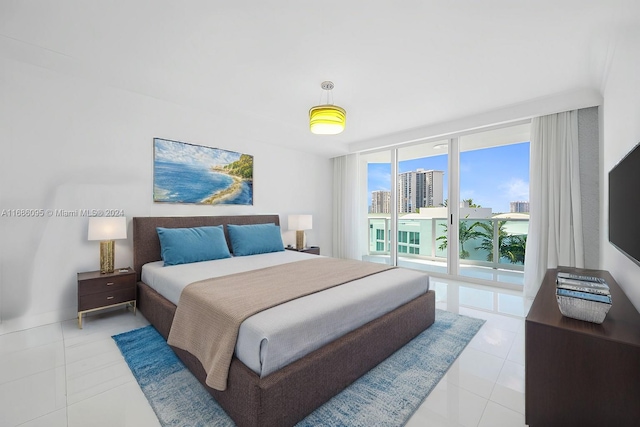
(466,233)
(514,248)
(470,203)
(511,247)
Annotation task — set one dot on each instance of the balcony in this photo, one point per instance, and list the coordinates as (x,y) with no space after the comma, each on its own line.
(422,244)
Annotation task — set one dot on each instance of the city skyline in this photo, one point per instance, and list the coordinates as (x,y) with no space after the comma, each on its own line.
(519,206)
(492,177)
(380,201)
(418,189)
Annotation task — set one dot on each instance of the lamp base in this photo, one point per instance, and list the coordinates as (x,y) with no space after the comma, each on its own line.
(300,239)
(107,255)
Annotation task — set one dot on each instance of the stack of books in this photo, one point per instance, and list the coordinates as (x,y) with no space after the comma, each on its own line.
(583,297)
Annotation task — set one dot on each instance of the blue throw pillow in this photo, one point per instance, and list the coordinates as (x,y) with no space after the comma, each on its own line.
(255,239)
(186,245)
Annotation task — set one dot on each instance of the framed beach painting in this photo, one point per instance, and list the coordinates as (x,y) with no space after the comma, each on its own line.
(188,173)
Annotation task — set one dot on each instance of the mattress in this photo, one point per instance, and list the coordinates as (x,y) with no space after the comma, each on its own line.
(271,339)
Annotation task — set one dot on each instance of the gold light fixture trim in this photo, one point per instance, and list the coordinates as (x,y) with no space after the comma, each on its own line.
(327,119)
(107,256)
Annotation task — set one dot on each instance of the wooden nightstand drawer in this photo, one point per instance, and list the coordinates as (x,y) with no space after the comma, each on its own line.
(106,284)
(104,299)
(97,291)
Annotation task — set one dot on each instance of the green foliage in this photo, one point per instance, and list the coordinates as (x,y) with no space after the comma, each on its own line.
(511,247)
(243,167)
(514,248)
(471,204)
(469,201)
(466,233)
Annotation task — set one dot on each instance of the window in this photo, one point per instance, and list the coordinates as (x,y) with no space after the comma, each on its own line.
(494,202)
(489,186)
(414,238)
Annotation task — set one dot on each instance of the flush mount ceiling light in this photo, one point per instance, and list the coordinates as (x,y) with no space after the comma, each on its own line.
(327,119)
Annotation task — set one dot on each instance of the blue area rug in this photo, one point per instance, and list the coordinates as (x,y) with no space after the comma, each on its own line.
(385,396)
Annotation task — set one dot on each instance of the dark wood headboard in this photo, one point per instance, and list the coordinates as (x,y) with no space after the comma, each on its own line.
(146,245)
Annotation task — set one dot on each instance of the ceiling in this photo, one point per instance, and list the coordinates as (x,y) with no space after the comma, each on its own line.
(257,65)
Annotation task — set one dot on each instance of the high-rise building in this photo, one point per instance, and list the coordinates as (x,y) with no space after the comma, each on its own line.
(519,206)
(381,201)
(419,189)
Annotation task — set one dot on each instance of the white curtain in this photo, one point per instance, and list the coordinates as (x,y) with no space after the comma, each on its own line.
(347,215)
(555,226)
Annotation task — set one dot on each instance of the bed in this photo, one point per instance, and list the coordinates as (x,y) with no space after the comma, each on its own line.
(287,394)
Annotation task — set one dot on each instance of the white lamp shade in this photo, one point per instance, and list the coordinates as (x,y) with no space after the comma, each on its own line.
(300,222)
(107,228)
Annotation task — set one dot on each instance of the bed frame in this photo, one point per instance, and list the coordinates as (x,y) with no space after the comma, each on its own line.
(288,395)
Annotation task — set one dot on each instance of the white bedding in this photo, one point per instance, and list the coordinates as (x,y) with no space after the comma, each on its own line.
(271,339)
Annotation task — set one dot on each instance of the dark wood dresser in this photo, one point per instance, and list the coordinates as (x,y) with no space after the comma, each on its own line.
(580,373)
(97,291)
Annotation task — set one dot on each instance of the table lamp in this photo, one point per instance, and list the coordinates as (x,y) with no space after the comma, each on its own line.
(300,223)
(107,229)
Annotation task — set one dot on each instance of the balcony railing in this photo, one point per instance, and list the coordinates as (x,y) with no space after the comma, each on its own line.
(427,239)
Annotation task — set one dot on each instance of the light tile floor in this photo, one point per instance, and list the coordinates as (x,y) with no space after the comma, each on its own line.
(58,375)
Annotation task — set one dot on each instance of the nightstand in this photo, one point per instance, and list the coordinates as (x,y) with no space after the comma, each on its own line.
(99,291)
(310,250)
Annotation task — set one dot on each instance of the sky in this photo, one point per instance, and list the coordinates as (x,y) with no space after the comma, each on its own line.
(195,155)
(492,177)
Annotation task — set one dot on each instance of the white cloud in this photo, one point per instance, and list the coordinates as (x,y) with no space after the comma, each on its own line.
(516,190)
(177,152)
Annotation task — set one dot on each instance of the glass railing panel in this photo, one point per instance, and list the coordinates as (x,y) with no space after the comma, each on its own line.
(419,248)
(441,238)
(513,241)
(378,236)
(476,240)
(414,238)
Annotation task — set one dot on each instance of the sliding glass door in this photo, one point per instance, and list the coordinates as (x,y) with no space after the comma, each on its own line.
(456,206)
(378,179)
(422,197)
(494,204)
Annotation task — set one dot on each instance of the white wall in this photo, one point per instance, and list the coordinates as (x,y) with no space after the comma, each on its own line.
(70,142)
(621,132)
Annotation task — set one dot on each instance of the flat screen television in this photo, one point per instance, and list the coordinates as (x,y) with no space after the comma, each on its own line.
(624,205)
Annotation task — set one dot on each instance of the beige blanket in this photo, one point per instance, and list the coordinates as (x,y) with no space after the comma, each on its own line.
(210,311)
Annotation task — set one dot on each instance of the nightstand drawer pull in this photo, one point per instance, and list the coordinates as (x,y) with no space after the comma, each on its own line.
(109,297)
(109,283)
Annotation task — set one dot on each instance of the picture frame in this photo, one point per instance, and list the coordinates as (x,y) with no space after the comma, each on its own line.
(197,174)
